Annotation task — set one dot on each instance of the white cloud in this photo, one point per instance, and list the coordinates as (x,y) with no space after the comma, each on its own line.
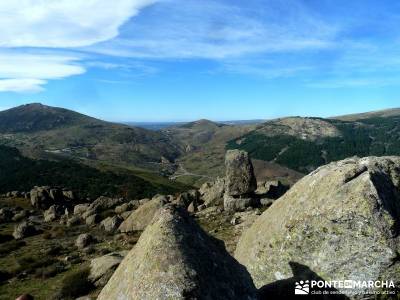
(63,23)
(28,72)
(21,85)
(217,30)
(54,24)
(39,65)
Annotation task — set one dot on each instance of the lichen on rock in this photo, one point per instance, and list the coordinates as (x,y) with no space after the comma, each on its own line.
(341,221)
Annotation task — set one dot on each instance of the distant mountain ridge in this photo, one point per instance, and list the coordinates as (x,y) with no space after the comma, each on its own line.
(304,144)
(391,112)
(193,152)
(42,131)
(164,125)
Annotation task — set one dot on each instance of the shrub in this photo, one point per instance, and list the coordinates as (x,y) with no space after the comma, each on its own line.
(47,235)
(11,246)
(75,284)
(53,250)
(49,271)
(29,263)
(5,238)
(4,275)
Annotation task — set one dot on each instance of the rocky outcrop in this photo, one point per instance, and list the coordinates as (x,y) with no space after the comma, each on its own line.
(175,259)
(131,205)
(100,204)
(102,268)
(187,198)
(53,213)
(20,215)
(240,181)
(72,221)
(92,220)
(271,189)
(236,191)
(84,240)
(342,222)
(140,218)
(6,215)
(42,197)
(81,208)
(15,194)
(24,230)
(213,193)
(111,224)
(70,195)
(239,178)
(239,203)
(104,203)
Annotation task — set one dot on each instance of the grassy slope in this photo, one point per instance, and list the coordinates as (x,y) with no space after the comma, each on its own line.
(41,131)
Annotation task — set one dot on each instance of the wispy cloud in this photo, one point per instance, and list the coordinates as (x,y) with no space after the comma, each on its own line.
(217,30)
(321,42)
(63,23)
(54,25)
(23,85)
(28,72)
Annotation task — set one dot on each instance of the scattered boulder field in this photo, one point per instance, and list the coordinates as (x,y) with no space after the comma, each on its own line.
(234,238)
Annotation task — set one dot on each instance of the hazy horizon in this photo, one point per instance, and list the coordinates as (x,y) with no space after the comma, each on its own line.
(238,120)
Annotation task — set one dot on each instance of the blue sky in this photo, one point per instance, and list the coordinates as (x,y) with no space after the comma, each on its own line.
(179,60)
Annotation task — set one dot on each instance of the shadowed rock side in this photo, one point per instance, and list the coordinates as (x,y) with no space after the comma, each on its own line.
(240,177)
(341,221)
(175,259)
(284,288)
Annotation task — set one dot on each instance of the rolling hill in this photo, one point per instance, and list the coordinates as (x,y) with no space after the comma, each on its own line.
(303,144)
(192,153)
(42,131)
(392,112)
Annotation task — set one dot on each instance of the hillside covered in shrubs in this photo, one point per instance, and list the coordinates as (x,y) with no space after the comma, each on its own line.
(21,173)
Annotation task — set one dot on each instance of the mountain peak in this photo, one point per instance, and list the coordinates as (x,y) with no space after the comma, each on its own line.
(202,123)
(36,116)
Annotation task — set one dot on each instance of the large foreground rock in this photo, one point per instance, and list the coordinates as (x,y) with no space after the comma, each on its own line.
(175,259)
(141,217)
(239,179)
(340,222)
